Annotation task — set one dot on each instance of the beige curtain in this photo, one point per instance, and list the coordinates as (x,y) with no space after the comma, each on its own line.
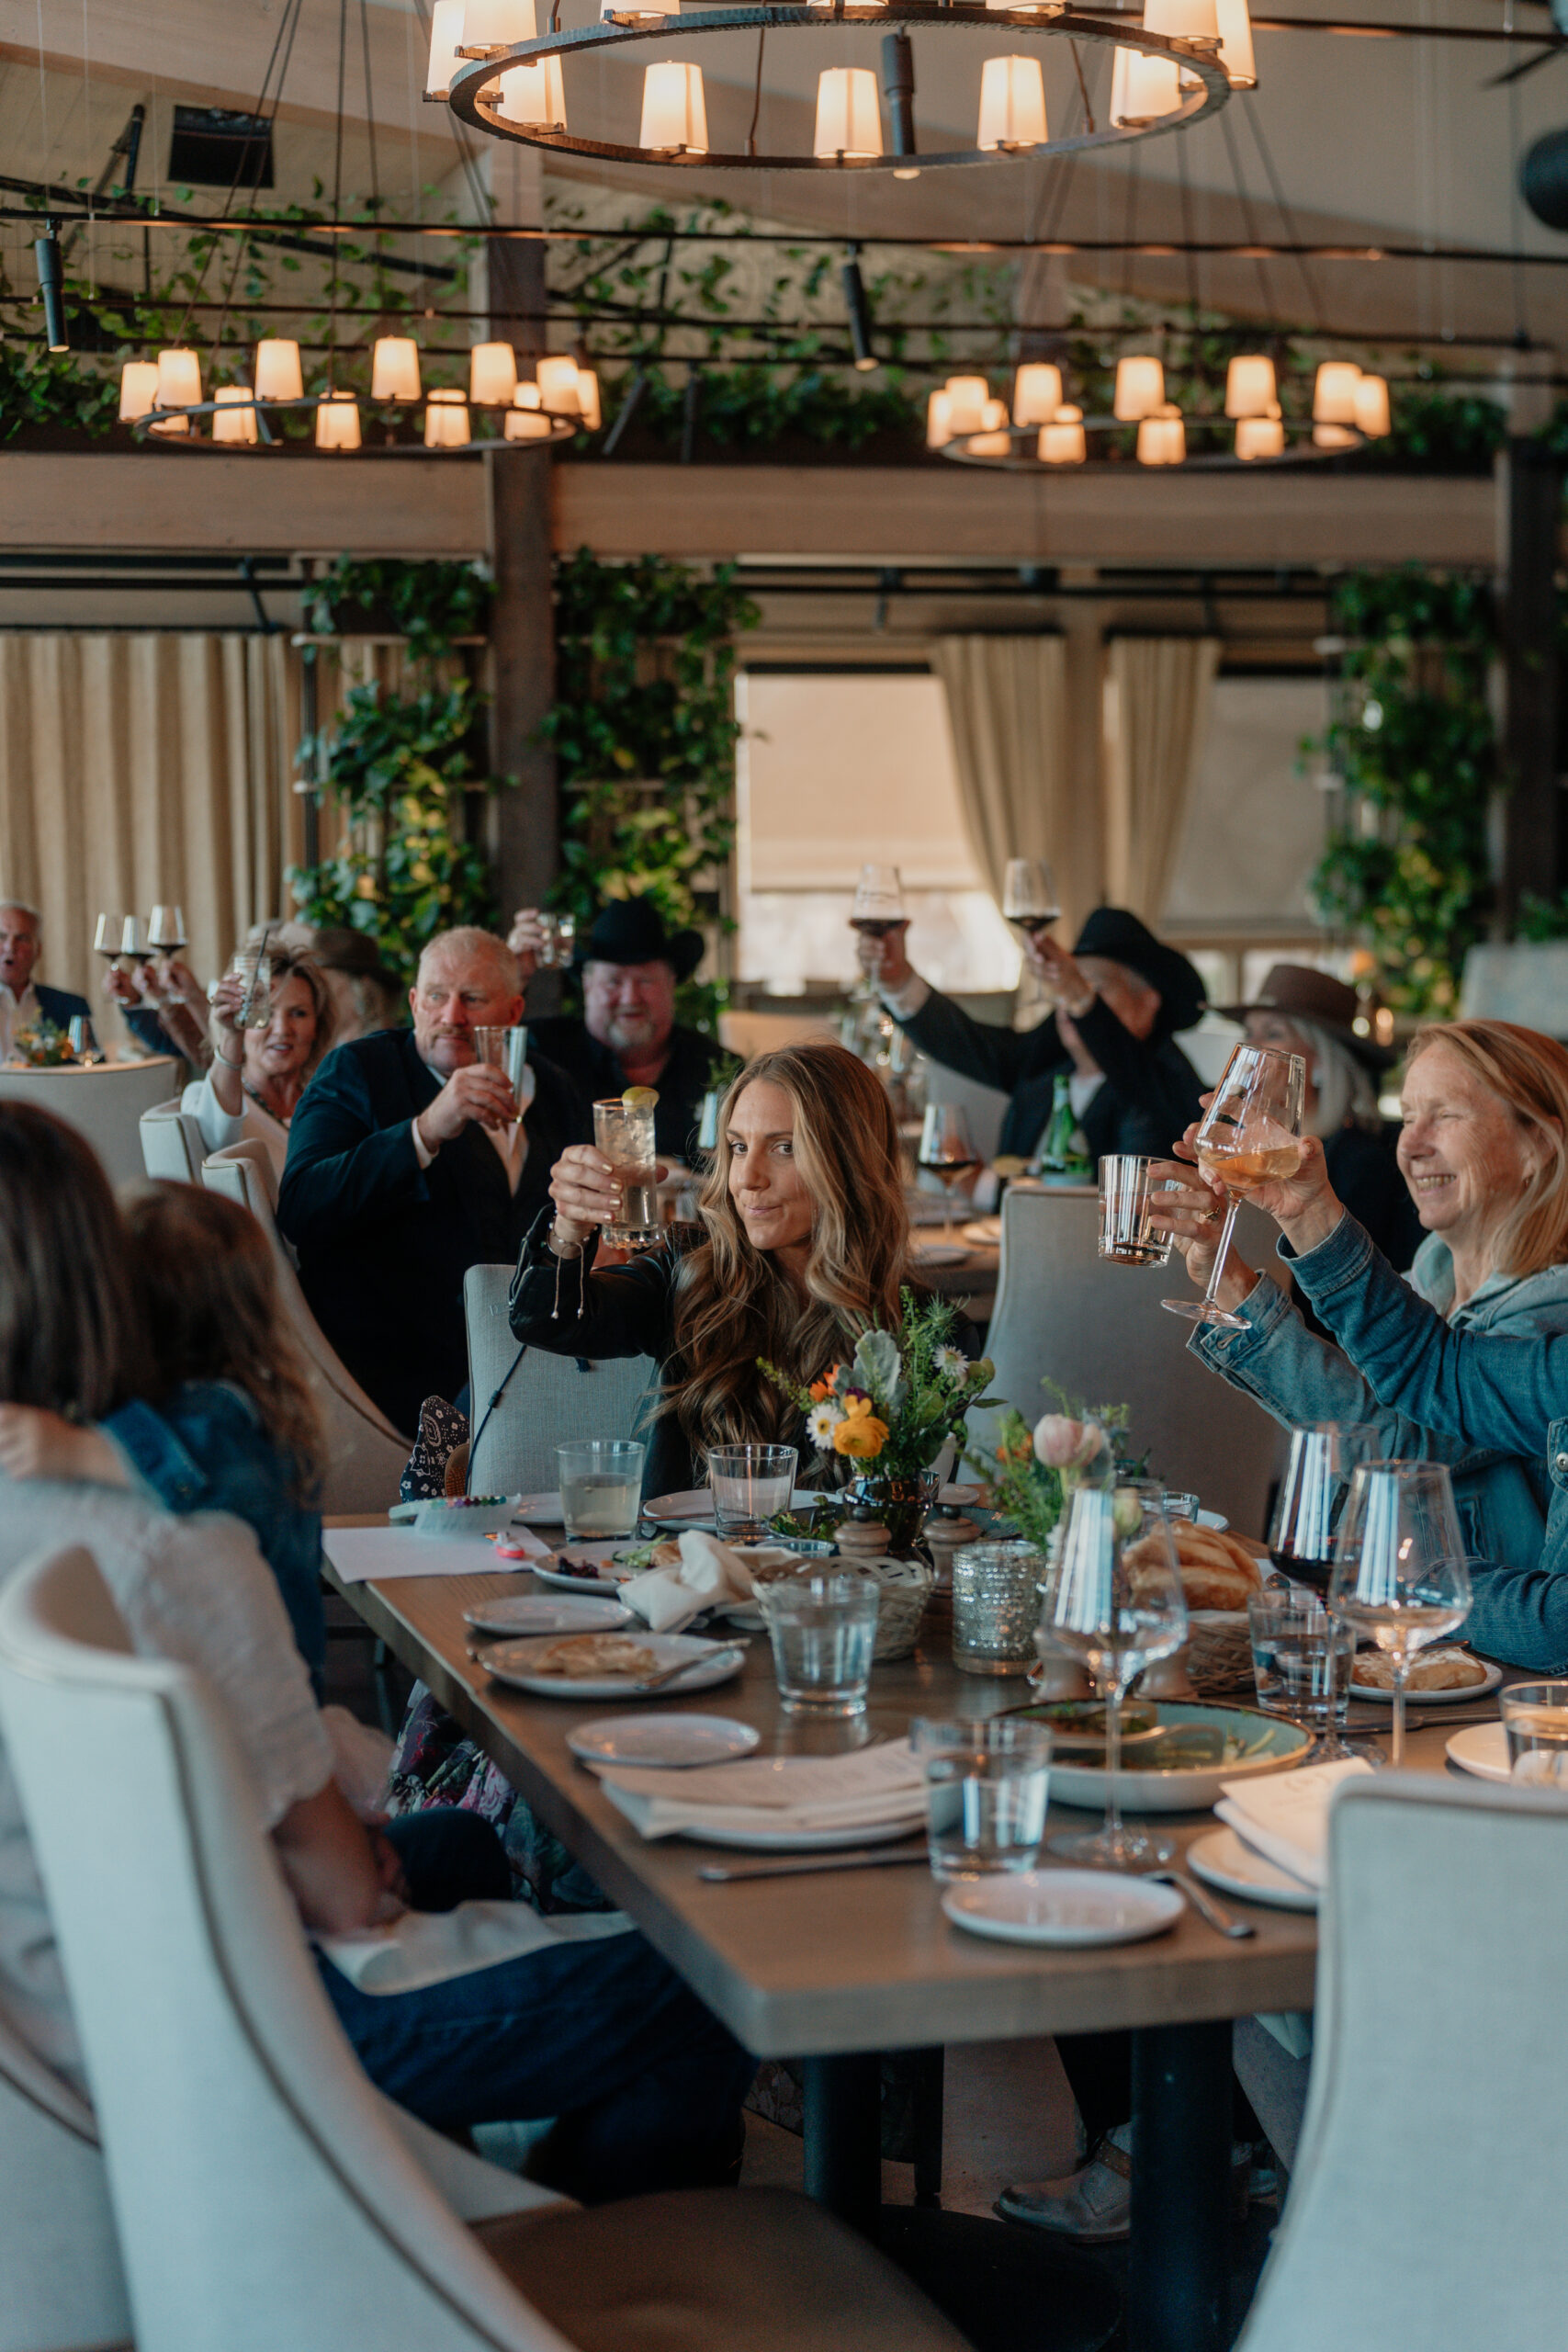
(1006,701)
(1157,718)
(139,767)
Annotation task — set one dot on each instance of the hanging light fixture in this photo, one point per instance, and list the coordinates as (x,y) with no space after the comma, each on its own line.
(1142,89)
(1334,393)
(1036,393)
(278,373)
(1012,105)
(533,96)
(179,378)
(492,374)
(1259,436)
(674,111)
(993,440)
(1372,417)
(1162,437)
(446,48)
(138,389)
(337,421)
(1235,44)
(1250,389)
(938,420)
(966,397)
(446,420)
(593,415)
(496,24)
(849,119)
(525,420)
(557,376)
(52,287)
(1184,20)
(394,370)
(235,420)
(1062,441)
(1140,388)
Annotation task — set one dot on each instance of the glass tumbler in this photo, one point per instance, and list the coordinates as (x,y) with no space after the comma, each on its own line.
(601,1486)
(987,1786)
(1127,1235)
(625,1134)
(823,1630)
(995,1606)
(750,1484)
(1302,1663)
(1535,1716)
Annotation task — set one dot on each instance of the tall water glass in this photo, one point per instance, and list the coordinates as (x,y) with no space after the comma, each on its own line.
(986,1787)
(750,1484)
(624,1133)
(1302,1662)
(507,1050)
(1535,1717)
(1125,1234)
(1400,1572)
(601,1486)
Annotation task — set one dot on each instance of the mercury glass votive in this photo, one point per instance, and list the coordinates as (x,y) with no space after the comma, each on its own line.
(995,1606)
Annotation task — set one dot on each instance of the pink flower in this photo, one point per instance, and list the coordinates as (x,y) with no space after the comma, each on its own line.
(1063,1444)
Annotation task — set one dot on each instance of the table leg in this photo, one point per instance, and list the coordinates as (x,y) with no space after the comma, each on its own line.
(843,2136)
(1178,2268)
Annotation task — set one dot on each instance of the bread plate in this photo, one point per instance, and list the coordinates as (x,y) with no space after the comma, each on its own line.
(1414,1697)
(516,1664)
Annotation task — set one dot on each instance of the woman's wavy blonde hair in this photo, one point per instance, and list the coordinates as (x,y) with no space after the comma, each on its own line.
(732,1301)
(1528,1074)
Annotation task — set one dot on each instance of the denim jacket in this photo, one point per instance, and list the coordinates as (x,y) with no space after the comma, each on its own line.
(205,1449)
(1297,1377)
(1493,1389)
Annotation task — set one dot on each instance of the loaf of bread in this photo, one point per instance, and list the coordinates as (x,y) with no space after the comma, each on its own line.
(1217,1571)
(1441,1670)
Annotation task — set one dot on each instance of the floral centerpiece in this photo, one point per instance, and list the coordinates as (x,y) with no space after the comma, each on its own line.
(42,1045)
(1035,1471)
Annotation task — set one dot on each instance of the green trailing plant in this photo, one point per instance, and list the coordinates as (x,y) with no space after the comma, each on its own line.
(644,732)
(1413,749)
(431,604)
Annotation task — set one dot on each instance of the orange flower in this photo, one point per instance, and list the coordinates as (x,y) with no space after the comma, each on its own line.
(862,1437)
(819,1391)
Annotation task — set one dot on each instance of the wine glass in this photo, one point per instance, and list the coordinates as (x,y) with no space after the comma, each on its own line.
(1029,895)
(1113,1598)
(1399,1567)
(1312,1497)
(166,937)
(947,1148)
(1247,1137)
(108,939)
(878,909)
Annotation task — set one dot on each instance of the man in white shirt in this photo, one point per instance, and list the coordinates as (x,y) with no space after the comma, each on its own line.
(24,1003)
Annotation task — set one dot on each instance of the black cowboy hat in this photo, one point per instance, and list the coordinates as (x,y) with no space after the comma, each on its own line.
(1121,938)
(631,931)
(1300,992)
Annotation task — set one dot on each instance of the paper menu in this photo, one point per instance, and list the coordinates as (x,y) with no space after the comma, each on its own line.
(778,1781)
(361,1555)
(1285,1814)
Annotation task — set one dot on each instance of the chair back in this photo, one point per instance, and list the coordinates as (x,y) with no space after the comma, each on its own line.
(364,1453)
(1098,1331)
(64,2289)
(1427,2204)
(548,1400)
(172,1147)
(263,2194)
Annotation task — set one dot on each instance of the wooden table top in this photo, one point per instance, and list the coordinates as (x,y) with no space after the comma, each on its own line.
(842,1961)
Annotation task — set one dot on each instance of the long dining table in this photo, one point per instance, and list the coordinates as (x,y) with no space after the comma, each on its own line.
(832,1969)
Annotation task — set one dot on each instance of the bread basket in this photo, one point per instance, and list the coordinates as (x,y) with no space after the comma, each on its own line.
(1218,1653)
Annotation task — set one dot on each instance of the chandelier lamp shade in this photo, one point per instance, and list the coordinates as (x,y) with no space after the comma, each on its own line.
(1162,436)
(280,376)
(1372,417)
(138,389)
(492,375)
(1250,389)
(236,418)
(1334,393)
(1036,393)
(1259,436)
(447,422)
(1061,441)
(394,370)
(1169,72)
(337,421)
(1140,388)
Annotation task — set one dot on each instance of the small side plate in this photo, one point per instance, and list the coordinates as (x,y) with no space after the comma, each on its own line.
(1483,1749)
(662,1739)
(542,1614)
(1063,1907)
(1229,1863)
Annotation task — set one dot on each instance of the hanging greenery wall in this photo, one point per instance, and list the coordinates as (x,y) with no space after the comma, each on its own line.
(1413,750)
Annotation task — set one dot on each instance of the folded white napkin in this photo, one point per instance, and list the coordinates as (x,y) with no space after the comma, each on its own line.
(864,1791)
(1285,1814)
(710,1573)
(424,1947)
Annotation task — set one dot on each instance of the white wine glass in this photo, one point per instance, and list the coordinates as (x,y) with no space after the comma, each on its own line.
(1029,897)
(1249,1137)
(1113,1598)
(947,1148)
(1400,1572)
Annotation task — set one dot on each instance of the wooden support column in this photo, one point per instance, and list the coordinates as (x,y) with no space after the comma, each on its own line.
(1528,483)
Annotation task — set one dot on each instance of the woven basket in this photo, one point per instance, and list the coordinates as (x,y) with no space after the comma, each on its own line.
(1218,1656)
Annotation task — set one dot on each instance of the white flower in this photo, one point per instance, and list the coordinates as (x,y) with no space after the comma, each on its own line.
(1063,1444)
(822,1420)
(951,1363)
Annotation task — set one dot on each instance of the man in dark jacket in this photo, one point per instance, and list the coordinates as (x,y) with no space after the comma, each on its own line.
(627,1036)
(1120,996)
(25,1002)
(407,1166)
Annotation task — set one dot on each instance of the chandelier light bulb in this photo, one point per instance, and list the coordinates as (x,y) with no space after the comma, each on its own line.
(967,398)
(1062,441)
(588,405)
(1372,417)
(1140,386)
(138,389)
(674,110)
(278,373)
(179,378)
(557,374)
(1235,44)
(1013,104)
(337,421)
(236,418)
(496,24)
(1250,389)
(394,370)
(445,41)
(993,440)
(1259,436)
(492,374)
(1162,437)
(1036,393)
(849,117)
(939,421)
(533,96)
(1334,394)
(1143,88)
(447,422)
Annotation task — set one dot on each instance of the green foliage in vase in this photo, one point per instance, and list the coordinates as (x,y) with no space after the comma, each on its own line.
(1415,748)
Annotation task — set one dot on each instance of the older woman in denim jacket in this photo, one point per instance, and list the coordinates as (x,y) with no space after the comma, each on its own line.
(1485,1107)
(1475,1391)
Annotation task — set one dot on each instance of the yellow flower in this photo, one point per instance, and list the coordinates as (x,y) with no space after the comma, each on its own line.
(862,1437)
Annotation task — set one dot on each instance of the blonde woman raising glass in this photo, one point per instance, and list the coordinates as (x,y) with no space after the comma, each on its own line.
(258,1075)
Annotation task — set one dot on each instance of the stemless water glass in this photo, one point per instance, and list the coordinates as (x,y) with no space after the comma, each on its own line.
(1125,1234)
(1535,1716)
(1248,1137)
(624,1133)
(1312,1497)
(507,1050)
(823,1630)
(253,966)
(601,1486)
(1399,1567)
(986,1787)
(560,942)
(1113,1598)
(1301,1660)
(750,1484)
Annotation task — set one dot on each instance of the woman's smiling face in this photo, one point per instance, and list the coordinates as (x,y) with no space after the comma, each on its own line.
(1463,1152)
(765,1182)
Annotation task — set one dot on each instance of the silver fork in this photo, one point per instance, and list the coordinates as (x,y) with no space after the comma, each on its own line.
(686,1665)
(1224,1922)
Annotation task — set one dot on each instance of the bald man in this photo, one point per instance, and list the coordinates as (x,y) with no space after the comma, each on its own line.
(24,1002)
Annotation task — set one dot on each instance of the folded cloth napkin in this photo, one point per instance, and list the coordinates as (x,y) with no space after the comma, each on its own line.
(1285,1814)
(420,1947)
(871,1789)
(710,1574)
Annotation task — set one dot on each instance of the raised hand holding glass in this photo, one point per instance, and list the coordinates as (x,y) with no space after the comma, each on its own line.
(1249,1137)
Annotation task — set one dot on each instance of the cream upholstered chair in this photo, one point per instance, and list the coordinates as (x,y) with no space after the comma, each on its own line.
(364,1454)
(1427,2204)
(544,1399)
(1099,1331)
(173,1145)
(62,2288)
(267,2195)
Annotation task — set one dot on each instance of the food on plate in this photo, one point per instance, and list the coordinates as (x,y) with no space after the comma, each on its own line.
(1441,1669)
(641,1557)
(1217,1570)
(817,1525)
(582,1658)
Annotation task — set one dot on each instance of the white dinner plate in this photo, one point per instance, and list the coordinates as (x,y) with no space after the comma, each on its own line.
(1229,1862)
(662,1739)
(1072,1907)
(541,1612)
(1187,1788)
(508,1663)
(1482,1749)
(938,1253)
(607,1570)
(1432,1698)
(806,1841)
(692,1507)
